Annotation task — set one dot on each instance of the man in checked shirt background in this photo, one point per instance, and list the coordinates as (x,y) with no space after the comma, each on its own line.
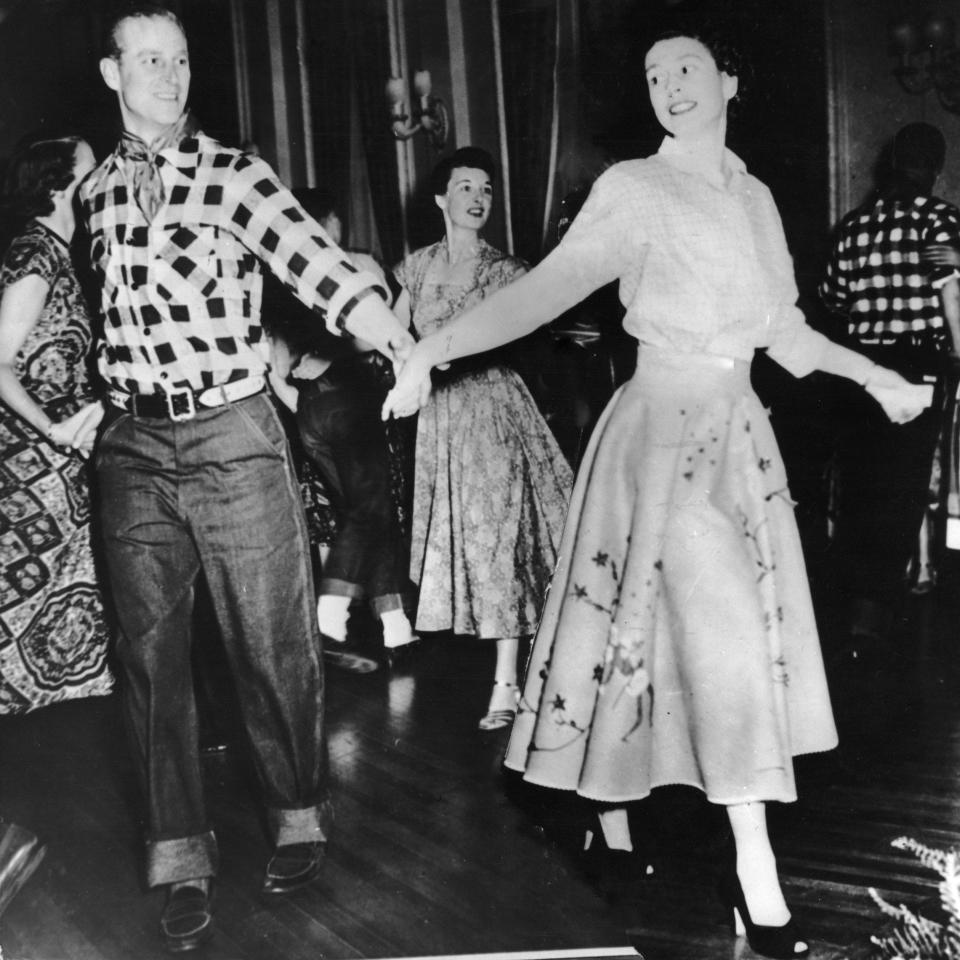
(904,313)
(192,460)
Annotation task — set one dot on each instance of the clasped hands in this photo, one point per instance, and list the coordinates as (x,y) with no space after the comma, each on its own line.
(901,400)
(412,389)
(79,430)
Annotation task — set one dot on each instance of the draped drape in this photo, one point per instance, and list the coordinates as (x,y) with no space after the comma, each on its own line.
(353,145)
(548,144)
(528,49)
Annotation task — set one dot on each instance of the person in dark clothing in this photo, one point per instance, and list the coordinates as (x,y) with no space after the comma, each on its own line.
(902,313)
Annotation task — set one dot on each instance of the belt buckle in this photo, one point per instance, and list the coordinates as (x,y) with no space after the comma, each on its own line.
(180,404)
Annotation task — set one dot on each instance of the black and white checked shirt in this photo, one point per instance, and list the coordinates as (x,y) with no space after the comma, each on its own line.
(181,295)
(875,277)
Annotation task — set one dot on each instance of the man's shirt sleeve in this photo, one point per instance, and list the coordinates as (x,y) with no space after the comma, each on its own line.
(945,230)
(835,288)
(272,225)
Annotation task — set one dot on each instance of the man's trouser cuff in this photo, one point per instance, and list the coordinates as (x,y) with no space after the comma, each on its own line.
(186,858)
(303,825)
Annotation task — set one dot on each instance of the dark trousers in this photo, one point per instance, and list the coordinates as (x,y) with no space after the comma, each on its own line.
(214,494)
(883,478)
(338,417)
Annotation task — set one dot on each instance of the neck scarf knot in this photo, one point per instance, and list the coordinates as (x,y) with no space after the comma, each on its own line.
(142,162)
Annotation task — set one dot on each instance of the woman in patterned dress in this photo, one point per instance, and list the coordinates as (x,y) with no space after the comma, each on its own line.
(678,643)
(490,482)
(53,634)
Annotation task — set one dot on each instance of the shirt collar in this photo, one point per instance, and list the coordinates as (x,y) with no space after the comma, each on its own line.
(734,170)
(185,156)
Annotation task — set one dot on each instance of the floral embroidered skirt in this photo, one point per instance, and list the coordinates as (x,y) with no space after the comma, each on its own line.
(678,642)
(490,498)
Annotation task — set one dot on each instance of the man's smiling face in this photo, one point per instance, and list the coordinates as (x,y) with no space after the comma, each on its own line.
(151,77)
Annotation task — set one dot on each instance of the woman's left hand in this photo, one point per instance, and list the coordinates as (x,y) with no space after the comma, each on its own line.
(901,400)
(942,255)
(412,389)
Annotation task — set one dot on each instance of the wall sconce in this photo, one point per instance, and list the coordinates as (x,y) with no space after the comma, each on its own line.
(929,59)
(431,116)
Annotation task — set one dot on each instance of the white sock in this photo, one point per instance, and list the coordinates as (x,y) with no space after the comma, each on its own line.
(332,615)
(616,828)
(396,629)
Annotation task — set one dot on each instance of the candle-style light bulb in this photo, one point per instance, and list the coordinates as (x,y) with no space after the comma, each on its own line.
(938,32)
(395,91)
(905,36)
(421,83)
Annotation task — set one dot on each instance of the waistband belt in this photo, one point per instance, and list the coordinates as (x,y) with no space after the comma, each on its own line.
(182,403)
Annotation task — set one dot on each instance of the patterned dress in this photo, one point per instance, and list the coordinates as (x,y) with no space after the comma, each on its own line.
(678,643)
(490,482)
(53,634)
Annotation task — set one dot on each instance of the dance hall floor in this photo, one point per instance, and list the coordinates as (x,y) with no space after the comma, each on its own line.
(436,852)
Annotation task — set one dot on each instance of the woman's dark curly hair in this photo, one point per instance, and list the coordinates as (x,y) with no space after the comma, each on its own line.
(35,174)
(474,157)
(719,41)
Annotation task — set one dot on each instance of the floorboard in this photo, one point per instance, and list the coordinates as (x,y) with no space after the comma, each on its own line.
(438,852)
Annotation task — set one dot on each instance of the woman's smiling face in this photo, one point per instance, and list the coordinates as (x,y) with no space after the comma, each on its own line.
(688,93)
(468,199)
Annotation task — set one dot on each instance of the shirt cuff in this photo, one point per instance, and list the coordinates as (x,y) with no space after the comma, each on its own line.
(350,292)
(943,281)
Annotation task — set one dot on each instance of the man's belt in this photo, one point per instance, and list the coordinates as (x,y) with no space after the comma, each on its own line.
(182,403)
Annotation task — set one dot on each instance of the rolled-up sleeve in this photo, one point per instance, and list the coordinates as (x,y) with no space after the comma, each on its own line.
(792,342)
(795,345)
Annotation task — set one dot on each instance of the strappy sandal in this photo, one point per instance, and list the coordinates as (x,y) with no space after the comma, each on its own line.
(498,719)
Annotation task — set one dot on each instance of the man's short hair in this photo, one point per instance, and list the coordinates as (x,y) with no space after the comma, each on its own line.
(318,202)
(918,149)
(128,10)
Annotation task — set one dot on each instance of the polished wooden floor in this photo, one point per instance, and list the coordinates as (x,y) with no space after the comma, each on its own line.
(437,852)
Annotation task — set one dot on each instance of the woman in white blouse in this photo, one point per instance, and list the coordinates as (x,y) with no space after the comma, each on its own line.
(678,643)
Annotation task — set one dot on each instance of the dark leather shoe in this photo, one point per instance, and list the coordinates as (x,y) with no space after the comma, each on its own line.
(294,865)
(187,919)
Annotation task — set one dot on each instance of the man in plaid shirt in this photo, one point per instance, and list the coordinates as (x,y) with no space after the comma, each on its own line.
(193,464)
(903,313)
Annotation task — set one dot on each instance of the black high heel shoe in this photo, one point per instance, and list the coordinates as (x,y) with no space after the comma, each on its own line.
(619,876)
(778,943)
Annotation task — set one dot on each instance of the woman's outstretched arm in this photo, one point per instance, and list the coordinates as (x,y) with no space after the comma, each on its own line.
(509,314)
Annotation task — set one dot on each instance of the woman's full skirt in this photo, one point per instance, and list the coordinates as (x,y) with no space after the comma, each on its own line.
(678,643)
(490,498)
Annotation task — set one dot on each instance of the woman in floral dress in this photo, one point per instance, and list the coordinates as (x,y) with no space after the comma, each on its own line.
(53,634)
(490,482)
(678,643)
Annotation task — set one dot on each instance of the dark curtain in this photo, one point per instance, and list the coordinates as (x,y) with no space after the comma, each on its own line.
(213,85)
(528,33)
(370,49)
(349,44)
(329,65)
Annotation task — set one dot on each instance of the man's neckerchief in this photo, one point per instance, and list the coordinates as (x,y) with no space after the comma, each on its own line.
(141,162)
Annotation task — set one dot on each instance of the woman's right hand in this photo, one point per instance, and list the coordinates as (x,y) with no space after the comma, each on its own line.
(901,400)
(412,389)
